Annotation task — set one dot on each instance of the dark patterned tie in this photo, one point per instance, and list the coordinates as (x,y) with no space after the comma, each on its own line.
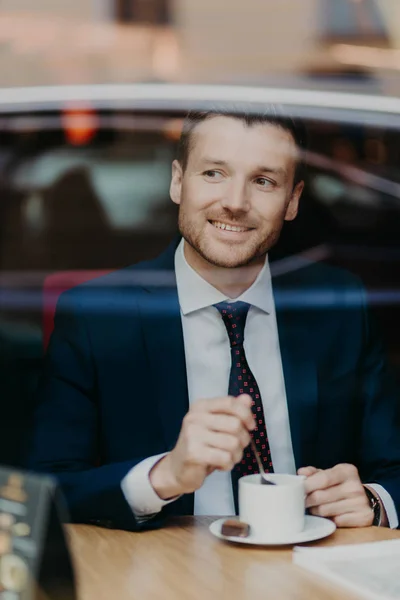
(242,381)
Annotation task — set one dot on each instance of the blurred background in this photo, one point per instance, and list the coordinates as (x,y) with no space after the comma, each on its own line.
(291,42)
(92,97)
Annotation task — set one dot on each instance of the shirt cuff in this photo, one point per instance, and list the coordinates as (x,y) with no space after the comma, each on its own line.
(388,504)
(138,491)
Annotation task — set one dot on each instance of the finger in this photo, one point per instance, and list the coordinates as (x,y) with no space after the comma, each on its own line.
(216,458)
(307,471)
(247,402)
(361,519)
(327,478)
(225,424)
(245,399)
(324,479)
(348,489)
(320,480)
(239,407)
(226,442)
(335,509)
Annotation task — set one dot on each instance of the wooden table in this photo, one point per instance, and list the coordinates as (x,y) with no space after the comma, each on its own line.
(183,561)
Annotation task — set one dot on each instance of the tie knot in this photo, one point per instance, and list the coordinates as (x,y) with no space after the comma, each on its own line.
(234,315)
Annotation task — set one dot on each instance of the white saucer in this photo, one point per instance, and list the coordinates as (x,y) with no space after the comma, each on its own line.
(315,528)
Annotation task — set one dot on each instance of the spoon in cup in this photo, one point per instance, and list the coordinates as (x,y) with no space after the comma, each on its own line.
(263,474)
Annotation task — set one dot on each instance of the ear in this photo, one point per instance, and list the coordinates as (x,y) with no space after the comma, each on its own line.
(293,206)
(176,182)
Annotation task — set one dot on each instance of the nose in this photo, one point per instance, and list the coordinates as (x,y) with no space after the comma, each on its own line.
(235,197)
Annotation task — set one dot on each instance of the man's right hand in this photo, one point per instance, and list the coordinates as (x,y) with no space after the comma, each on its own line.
(213,436)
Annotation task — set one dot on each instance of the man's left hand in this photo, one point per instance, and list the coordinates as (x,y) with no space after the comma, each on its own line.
(338,493)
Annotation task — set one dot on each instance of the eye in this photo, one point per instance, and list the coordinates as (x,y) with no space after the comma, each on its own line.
(264,182)
(212,174)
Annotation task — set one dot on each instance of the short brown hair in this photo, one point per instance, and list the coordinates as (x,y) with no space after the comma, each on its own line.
(271,115)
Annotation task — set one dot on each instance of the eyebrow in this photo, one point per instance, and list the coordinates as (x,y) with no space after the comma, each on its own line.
(259,169)
(214,161)
(279,172)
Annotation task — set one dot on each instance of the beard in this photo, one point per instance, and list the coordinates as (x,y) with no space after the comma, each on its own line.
(227,255)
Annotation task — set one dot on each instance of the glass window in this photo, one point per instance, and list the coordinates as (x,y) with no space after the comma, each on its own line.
(93,194)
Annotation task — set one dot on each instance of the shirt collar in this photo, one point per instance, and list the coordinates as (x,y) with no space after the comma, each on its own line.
(196,293)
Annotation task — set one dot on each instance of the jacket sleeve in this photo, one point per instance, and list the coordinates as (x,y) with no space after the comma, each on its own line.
(380,433)
(65,441)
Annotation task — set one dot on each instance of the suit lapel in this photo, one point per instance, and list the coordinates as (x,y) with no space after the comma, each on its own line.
(300,375)
(163,339)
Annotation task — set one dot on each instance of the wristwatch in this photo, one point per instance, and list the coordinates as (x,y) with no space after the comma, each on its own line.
(375,506)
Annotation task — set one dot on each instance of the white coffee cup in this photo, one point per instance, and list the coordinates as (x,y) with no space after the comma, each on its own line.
(273,511)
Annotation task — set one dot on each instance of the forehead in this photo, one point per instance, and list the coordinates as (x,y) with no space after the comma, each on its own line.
(232,140)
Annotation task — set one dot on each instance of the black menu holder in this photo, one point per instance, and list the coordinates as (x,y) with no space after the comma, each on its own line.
(35,563)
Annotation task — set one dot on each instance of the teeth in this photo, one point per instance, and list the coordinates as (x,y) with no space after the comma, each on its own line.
(228,227)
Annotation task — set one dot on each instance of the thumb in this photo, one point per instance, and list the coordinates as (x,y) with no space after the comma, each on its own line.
(307,471)
(245,399)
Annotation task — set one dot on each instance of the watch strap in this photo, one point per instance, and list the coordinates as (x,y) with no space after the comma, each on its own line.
(375,507)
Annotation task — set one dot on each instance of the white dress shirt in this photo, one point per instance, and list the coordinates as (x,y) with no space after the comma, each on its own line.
(208,363)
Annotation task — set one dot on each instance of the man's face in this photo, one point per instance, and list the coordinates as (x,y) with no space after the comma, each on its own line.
(236,191)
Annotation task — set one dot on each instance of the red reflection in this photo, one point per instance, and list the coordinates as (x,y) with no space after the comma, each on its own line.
(80,125)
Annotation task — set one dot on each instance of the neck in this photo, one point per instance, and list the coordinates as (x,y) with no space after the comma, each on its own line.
(231,282)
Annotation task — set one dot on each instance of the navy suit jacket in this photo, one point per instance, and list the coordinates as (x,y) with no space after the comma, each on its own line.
(114,388)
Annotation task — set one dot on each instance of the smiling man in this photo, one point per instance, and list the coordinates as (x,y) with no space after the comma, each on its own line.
(238,179)
(151,392)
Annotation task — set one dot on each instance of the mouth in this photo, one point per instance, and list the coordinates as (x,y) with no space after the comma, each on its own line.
(229,227)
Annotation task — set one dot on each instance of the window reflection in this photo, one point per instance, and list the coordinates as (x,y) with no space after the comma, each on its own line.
(103,203)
